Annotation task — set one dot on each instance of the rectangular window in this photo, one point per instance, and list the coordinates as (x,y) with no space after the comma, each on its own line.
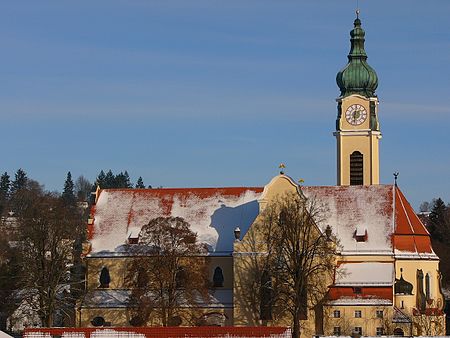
(337,331)
(379,313)
(358,314)
(380,331)
(358,330)
(357,290)
(337,314)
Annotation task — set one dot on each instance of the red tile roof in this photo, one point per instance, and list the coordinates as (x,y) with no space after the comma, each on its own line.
(380,210)
(410,234)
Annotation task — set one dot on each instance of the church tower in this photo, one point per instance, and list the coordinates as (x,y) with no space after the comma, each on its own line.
(357,127)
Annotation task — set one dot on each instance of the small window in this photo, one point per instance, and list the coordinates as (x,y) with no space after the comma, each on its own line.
(218,277)
(337,331)
(337,314)
(358,330)
(358,314)
(98,321)
(380,331)
(357,290)
(379,313)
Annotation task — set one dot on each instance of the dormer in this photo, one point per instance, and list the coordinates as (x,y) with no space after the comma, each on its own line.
(360,234)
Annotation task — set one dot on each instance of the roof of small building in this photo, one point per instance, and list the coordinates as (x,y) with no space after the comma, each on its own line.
(365,274)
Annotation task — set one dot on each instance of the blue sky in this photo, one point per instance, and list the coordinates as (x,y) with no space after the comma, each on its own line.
(218,93)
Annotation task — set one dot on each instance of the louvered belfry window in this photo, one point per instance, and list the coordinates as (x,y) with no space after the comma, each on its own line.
(356,168)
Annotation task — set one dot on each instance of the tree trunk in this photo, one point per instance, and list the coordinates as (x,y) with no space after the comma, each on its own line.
(296,325)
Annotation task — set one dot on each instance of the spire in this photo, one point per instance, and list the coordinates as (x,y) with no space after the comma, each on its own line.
(357,77)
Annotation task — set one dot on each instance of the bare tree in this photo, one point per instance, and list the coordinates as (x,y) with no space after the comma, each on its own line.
(296,260)
(170,273)
(82,188)
(429,324)
(47,229)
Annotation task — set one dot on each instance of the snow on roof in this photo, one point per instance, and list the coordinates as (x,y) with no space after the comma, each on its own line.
(365,274)
(4,335)
(213,213)
(120,298)
(400,317)
(360,301)
(348,209)
(106,298)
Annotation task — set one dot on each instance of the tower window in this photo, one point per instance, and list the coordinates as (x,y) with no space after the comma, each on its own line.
(356,168)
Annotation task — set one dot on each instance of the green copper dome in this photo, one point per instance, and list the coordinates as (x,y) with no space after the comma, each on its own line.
(357,77)
(401,286)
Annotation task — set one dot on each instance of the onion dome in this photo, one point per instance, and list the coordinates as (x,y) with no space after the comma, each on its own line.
(401,286)
(357,77)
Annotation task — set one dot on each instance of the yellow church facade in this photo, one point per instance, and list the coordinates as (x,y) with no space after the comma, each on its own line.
(386,278)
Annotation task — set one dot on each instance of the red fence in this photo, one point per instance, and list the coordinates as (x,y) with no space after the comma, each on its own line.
(160,332)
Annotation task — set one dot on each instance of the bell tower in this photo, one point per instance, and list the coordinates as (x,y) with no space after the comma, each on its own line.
(357,127)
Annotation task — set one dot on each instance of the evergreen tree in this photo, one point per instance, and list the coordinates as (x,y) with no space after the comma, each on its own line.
(4,191)
(127,180)
(100,180)
(20,181)
(5,184)
(439,222)
(110,180)
(122,180)
(68,194)
(140,183)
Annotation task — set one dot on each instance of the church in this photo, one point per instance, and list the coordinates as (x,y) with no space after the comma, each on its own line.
(386,280)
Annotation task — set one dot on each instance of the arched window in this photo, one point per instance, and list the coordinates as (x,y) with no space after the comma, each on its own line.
(427,286)
(266,295)
(105,279)
(142,277)
(399,332)
(356,168)
(218,277)
(180,277)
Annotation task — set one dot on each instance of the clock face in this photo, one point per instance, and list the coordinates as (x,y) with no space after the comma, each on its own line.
(355,114)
